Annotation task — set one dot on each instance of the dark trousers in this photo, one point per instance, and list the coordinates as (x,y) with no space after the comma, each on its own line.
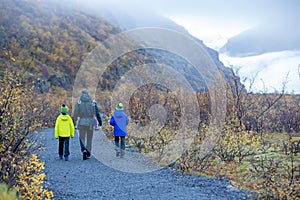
(85,139)
(63,146)
(117,142)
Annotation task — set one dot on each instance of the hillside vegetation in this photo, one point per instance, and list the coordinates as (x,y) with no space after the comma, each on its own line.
(42,48)
(58,37)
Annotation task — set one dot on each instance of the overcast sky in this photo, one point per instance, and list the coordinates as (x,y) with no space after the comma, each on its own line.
(214,21)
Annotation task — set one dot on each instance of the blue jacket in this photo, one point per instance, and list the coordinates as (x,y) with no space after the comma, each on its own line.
(119,120)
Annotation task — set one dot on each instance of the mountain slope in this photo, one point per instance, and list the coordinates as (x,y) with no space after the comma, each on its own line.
(265,38)
(267,55)
(58,35)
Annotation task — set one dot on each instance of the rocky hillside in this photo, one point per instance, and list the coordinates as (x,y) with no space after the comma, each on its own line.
(55,37)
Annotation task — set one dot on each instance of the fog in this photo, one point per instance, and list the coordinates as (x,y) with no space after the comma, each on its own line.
(269,71)
(215,22)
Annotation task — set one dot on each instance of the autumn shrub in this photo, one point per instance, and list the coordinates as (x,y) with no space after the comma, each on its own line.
(236,146)
(159,146)
(22,114)
(244,154)
(237,149)
(7,193)
(277,172)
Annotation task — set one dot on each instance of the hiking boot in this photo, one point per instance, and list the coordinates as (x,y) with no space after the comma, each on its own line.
(84,156)
(66,158)
(60,156)
(88,155)
(122,154)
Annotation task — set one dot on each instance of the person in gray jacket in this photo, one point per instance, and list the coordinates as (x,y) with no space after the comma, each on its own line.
(85,110)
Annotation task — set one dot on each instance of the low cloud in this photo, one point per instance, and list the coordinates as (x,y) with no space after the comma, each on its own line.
(269,71)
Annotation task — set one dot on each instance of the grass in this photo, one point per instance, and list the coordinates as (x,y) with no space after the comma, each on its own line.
(273,160)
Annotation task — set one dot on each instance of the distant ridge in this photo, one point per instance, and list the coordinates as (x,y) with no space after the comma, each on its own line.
(265,38)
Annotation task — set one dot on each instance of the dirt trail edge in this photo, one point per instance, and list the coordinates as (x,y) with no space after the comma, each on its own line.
(101,177)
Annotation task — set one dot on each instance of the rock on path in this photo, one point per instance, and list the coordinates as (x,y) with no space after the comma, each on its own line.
(133,177)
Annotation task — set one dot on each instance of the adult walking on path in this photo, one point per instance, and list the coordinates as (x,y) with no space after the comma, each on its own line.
(75,180)
(85,111)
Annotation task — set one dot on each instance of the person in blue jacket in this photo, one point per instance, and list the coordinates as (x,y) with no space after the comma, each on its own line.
(119,121)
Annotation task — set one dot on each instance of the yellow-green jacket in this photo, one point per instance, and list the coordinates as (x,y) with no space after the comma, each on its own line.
(64,126)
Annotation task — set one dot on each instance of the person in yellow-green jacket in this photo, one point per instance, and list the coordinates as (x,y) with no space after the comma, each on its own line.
(64,129)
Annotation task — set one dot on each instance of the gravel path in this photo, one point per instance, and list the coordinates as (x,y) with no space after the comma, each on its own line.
(133,177)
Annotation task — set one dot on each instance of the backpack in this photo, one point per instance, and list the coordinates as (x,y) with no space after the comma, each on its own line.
(86,114)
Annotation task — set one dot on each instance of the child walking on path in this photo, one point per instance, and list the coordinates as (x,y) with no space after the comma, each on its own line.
(64,129)
(119,121)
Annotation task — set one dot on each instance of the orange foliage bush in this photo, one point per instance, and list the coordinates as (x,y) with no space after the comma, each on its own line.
(22,113)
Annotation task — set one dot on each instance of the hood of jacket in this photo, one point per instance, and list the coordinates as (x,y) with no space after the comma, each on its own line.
(118,114)
(64,117)
(85,98)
